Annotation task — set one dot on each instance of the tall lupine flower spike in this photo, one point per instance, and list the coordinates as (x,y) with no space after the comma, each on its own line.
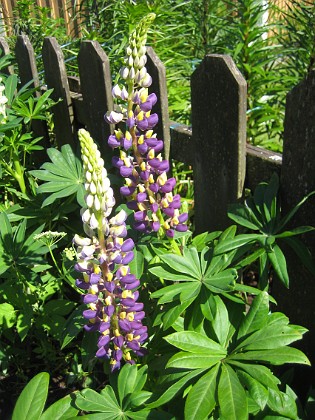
(102,258)
(147,188)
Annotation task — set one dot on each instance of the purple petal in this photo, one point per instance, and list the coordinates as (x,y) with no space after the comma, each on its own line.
(128,257)
(89,314)
(90,298)
(170,233)
(133,285)
(127,190)
(82,284)
(103,340)
(128,245)
(126,171)
(181,228)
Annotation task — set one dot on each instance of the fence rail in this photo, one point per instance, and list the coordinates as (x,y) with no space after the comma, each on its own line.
(215,146)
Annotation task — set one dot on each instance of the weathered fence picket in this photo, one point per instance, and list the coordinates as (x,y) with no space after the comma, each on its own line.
(56,78)
(96,88)
(218,100)
(215,146)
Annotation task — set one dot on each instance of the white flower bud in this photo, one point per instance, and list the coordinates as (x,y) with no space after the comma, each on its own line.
(89,200)
(93,222)
(78,240)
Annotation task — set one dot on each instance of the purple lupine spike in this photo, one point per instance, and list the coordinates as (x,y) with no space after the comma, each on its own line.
(150,194)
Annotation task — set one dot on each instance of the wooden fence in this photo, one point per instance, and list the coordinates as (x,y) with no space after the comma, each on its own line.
(215,146)
(68,10)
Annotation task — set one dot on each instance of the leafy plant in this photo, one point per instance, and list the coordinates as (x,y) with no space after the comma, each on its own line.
(63,176)
(123,399)
(261,213)
(228,358)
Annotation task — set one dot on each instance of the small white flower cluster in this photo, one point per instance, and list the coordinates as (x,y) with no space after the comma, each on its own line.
(99,195)
(3,101)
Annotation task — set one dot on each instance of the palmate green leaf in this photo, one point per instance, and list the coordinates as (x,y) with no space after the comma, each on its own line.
(31,402)
(167,274)
(171,315)
(90,400)
(271,337)
(221,324)
(257,391)
(256,316)
(260,373)
(186,360)
(63,177)
(221,282)
(183,264)
(231,396)
(126,381)
(283,403)
(277,357)
(61,410)
(236,242)
(279,264)
(201,399)
(243,216)
(194,342)
(168,293)
(173,390)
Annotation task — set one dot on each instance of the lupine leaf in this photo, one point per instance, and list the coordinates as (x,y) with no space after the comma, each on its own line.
(221,282)
(271,337)
(278,356)
(182,264)
(257,391)
(279,264)
(61,410)
(63,177)
(243,216)
(193,361)
(173,389)
(193,342)
(221,324)
(283,403)
(162,272)
(231,396)
(256,316)
(259,372)
(201,399)
(90,400)
(126,381)
(168,293)
(171,315)
(31,402)
(236,242)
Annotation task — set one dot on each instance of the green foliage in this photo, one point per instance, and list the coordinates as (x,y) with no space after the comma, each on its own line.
(31,402)
(123,399)
(63,177)
(229,359)
(261,213)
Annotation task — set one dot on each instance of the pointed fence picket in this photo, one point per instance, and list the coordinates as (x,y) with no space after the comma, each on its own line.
(215,146)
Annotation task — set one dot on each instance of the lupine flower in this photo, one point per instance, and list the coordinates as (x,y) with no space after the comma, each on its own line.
(147,188)
(102,258)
